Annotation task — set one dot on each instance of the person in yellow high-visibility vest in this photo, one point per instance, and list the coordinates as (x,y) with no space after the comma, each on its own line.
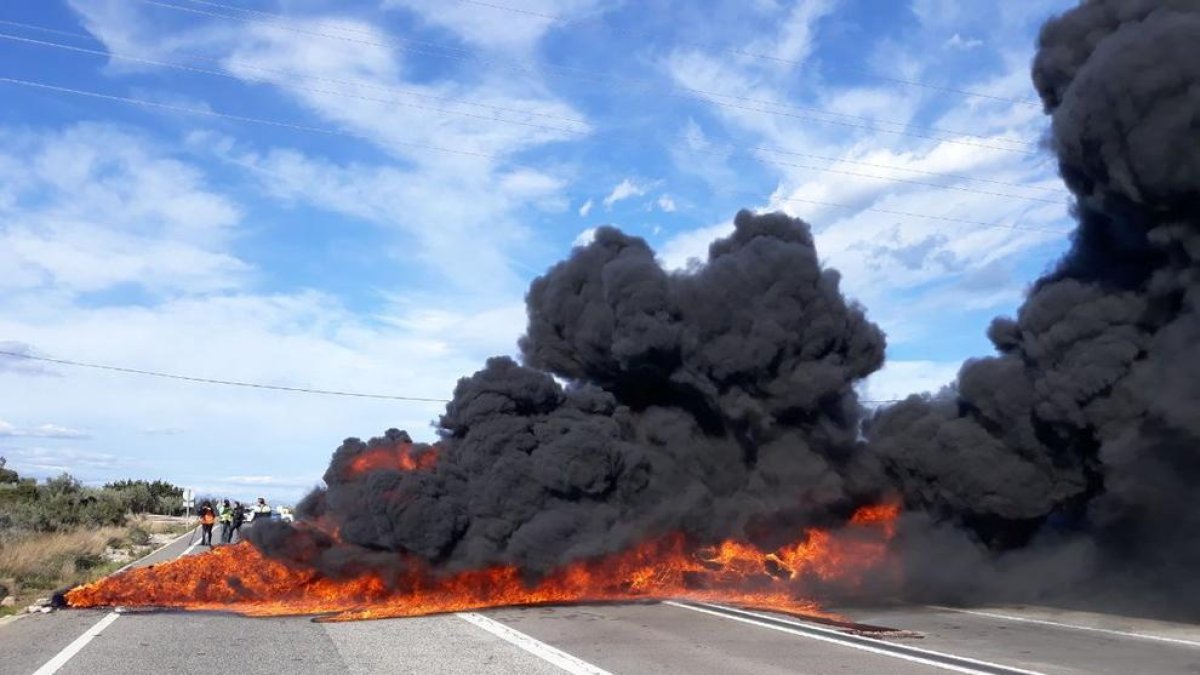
(225,515)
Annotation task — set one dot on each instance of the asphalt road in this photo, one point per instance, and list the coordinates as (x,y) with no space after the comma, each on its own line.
(636,638)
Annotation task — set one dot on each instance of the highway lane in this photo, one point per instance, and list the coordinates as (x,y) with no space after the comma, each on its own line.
(633,638)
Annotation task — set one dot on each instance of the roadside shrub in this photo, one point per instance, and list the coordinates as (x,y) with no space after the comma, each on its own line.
(88,561)
(139,536)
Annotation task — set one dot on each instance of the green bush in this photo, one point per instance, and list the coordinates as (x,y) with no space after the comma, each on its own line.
(149,497)
(61,504)
(64,503)
(7,475)
(139,537)
(88,561)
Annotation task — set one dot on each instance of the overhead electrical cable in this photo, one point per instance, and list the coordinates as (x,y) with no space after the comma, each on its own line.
(812,114)
(237,64)
(926,216)
(338,132)
(232,76)
(239,118)
(249,385)
(423,146)
(231,383)
(361,83)
(563,21)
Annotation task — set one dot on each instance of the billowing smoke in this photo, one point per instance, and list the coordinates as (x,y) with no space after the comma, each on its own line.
(1077,448)
(720,403)
(716,403)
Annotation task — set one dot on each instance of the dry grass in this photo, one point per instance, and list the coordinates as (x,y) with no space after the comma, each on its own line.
(32,554)
(34,564)
(162,524)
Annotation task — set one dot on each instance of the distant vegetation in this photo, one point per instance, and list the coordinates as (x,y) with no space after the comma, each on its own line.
(62,532)
(63,503)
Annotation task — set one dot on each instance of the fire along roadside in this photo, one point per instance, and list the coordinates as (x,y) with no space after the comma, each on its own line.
(557,657)
(577,666)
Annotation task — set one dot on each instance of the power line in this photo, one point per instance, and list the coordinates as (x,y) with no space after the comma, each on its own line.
(241,64)
(222,74)
(232,383)
(187,67)
(925,216)
(217,73)
(238,118)
(890,179)
(193,69)
(337,132)
(889,167)
(561,20)
(285,23)
(255,385)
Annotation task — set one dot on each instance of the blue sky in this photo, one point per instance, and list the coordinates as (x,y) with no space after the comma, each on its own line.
(355,195)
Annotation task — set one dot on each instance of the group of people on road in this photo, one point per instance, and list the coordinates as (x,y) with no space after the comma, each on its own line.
(231,516)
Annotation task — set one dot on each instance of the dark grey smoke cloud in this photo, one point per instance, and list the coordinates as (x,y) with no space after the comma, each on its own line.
(720,402)
(716,403)
(1077,448)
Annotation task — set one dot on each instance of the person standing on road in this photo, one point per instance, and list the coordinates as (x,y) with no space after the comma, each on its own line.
(207,517)
(225,515)
(239,517)
(262,511)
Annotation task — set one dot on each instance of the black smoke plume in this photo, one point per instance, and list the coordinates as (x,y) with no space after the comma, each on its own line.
(720,402)
(716,403)
(1077,448)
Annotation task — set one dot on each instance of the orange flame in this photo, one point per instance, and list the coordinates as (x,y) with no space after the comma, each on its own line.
(398,457)
(239,578)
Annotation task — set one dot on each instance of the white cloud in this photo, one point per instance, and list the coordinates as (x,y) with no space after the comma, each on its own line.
(586,237)
(46,461)
(452,185)
(473,211)
(898,379)
(691,247)
(623,190)
(495,29)
(958,42)
(8,430)
(666,203)
(130,202)
(797,33)
(350,97)
(295,340)
(585,209)
(93,207)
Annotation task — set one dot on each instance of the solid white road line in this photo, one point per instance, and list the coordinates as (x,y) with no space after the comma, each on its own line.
(60,659)
(536,647)
(169,543)
(905,652)
(1073,626)
(72,649)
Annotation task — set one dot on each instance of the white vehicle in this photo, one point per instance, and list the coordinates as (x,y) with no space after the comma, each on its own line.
(282,513)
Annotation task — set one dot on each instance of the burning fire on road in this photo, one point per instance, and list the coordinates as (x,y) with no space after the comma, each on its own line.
(698,434)
(239,578)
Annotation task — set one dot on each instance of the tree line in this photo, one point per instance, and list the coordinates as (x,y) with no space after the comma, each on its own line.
(64,503)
